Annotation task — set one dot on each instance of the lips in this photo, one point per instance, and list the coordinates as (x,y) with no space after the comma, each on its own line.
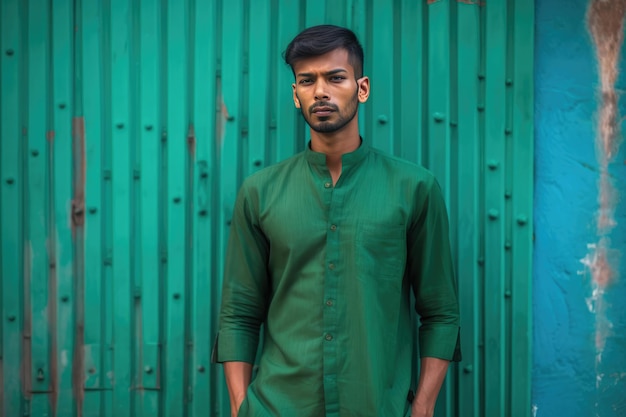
(323,110)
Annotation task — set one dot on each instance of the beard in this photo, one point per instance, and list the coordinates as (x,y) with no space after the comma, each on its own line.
(343,117)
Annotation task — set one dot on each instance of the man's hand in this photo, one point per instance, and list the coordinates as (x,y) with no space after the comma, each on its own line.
(238,375)
(432,373)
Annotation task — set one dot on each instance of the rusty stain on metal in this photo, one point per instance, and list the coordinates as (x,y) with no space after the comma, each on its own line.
(53,379)
(26,326)
(78,202)
(191,141)
(78,222)
(475,2)
(605,21)
(221,116)
(50,135)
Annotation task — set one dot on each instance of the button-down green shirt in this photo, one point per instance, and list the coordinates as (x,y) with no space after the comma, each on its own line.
(328,270)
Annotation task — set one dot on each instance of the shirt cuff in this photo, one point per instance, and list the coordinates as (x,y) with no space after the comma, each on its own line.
(440,341)
(234,346)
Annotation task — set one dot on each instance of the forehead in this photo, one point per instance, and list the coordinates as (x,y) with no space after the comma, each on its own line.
(335,59)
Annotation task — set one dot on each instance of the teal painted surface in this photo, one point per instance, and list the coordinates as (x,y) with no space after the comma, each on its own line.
(126,130)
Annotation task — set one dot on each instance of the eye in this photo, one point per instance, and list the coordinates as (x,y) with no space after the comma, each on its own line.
(305,81)
(337,78)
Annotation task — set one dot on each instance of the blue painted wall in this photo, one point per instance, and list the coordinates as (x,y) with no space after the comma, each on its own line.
(567,381)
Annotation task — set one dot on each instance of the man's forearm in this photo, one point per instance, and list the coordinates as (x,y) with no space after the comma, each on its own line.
(238,375)
(432,373)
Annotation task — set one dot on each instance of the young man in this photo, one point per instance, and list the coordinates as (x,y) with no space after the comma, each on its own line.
(324,250)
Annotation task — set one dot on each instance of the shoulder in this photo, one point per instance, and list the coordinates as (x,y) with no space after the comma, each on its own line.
(273,173)
(402,169)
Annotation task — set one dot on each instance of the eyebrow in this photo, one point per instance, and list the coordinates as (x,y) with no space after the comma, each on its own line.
(331,72)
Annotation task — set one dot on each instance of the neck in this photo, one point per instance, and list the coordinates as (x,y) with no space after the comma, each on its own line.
(336,144)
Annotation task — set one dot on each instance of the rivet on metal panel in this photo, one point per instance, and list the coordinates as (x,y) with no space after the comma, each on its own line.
(228,222)
(137,292)
(106,174)
(481,261)
(34,152)
(492,164)
(61,106)
(108,261)
(200,368)
(164,137)
(258,163)
(481,107)
(176,200)
(382,119)
(468,369)
(10,52)
(10,180)
(244,131)
(508,131)
(509,81)
(120,125)
(148,369)
(493,214)
(92,371)
(454,123)
(40,376)
(65,298)
(481,76)
(203,212)
(438,117)
(507,294)
(507,195)
(148,127)
(163,258)
(204,175)
(11,317)
(522,220)
(507,245)
(92,210)
(136,174)
(230,118)
(176,296)
(273,124)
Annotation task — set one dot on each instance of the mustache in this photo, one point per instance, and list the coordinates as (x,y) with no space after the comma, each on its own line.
(322,104)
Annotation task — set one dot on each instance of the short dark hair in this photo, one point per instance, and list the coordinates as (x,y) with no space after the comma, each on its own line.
(319,40)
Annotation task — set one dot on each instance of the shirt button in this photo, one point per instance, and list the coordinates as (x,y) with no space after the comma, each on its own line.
(329,337)
(327,185)
(333,227)
(331,266)
(329,302)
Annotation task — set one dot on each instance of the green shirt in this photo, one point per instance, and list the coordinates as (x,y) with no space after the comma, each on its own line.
(328,271)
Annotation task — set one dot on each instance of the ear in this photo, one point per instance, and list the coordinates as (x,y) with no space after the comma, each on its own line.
(296,100)
(363,84)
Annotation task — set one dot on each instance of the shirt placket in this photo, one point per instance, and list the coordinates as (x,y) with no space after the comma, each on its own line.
(332,268)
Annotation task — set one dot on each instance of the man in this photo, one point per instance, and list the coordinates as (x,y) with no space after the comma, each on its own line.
(324,250)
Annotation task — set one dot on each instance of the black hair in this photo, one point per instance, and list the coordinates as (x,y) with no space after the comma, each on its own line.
(319,40)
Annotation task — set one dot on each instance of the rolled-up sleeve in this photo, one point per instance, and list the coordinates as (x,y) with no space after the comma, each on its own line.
(245,287)
(431,272)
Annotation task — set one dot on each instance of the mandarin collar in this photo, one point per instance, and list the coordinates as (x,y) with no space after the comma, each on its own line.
(347,159)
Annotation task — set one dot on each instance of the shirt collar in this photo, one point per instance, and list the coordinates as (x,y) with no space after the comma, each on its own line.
(347,159)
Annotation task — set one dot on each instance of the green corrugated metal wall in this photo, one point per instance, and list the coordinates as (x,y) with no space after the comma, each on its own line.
(126,128)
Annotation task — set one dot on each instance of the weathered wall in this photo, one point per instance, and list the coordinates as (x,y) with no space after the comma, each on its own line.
(580,218)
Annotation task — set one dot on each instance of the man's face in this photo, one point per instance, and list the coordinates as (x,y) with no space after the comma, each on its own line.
(326,91)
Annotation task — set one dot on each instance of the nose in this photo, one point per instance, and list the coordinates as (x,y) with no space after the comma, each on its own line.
(321,92)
